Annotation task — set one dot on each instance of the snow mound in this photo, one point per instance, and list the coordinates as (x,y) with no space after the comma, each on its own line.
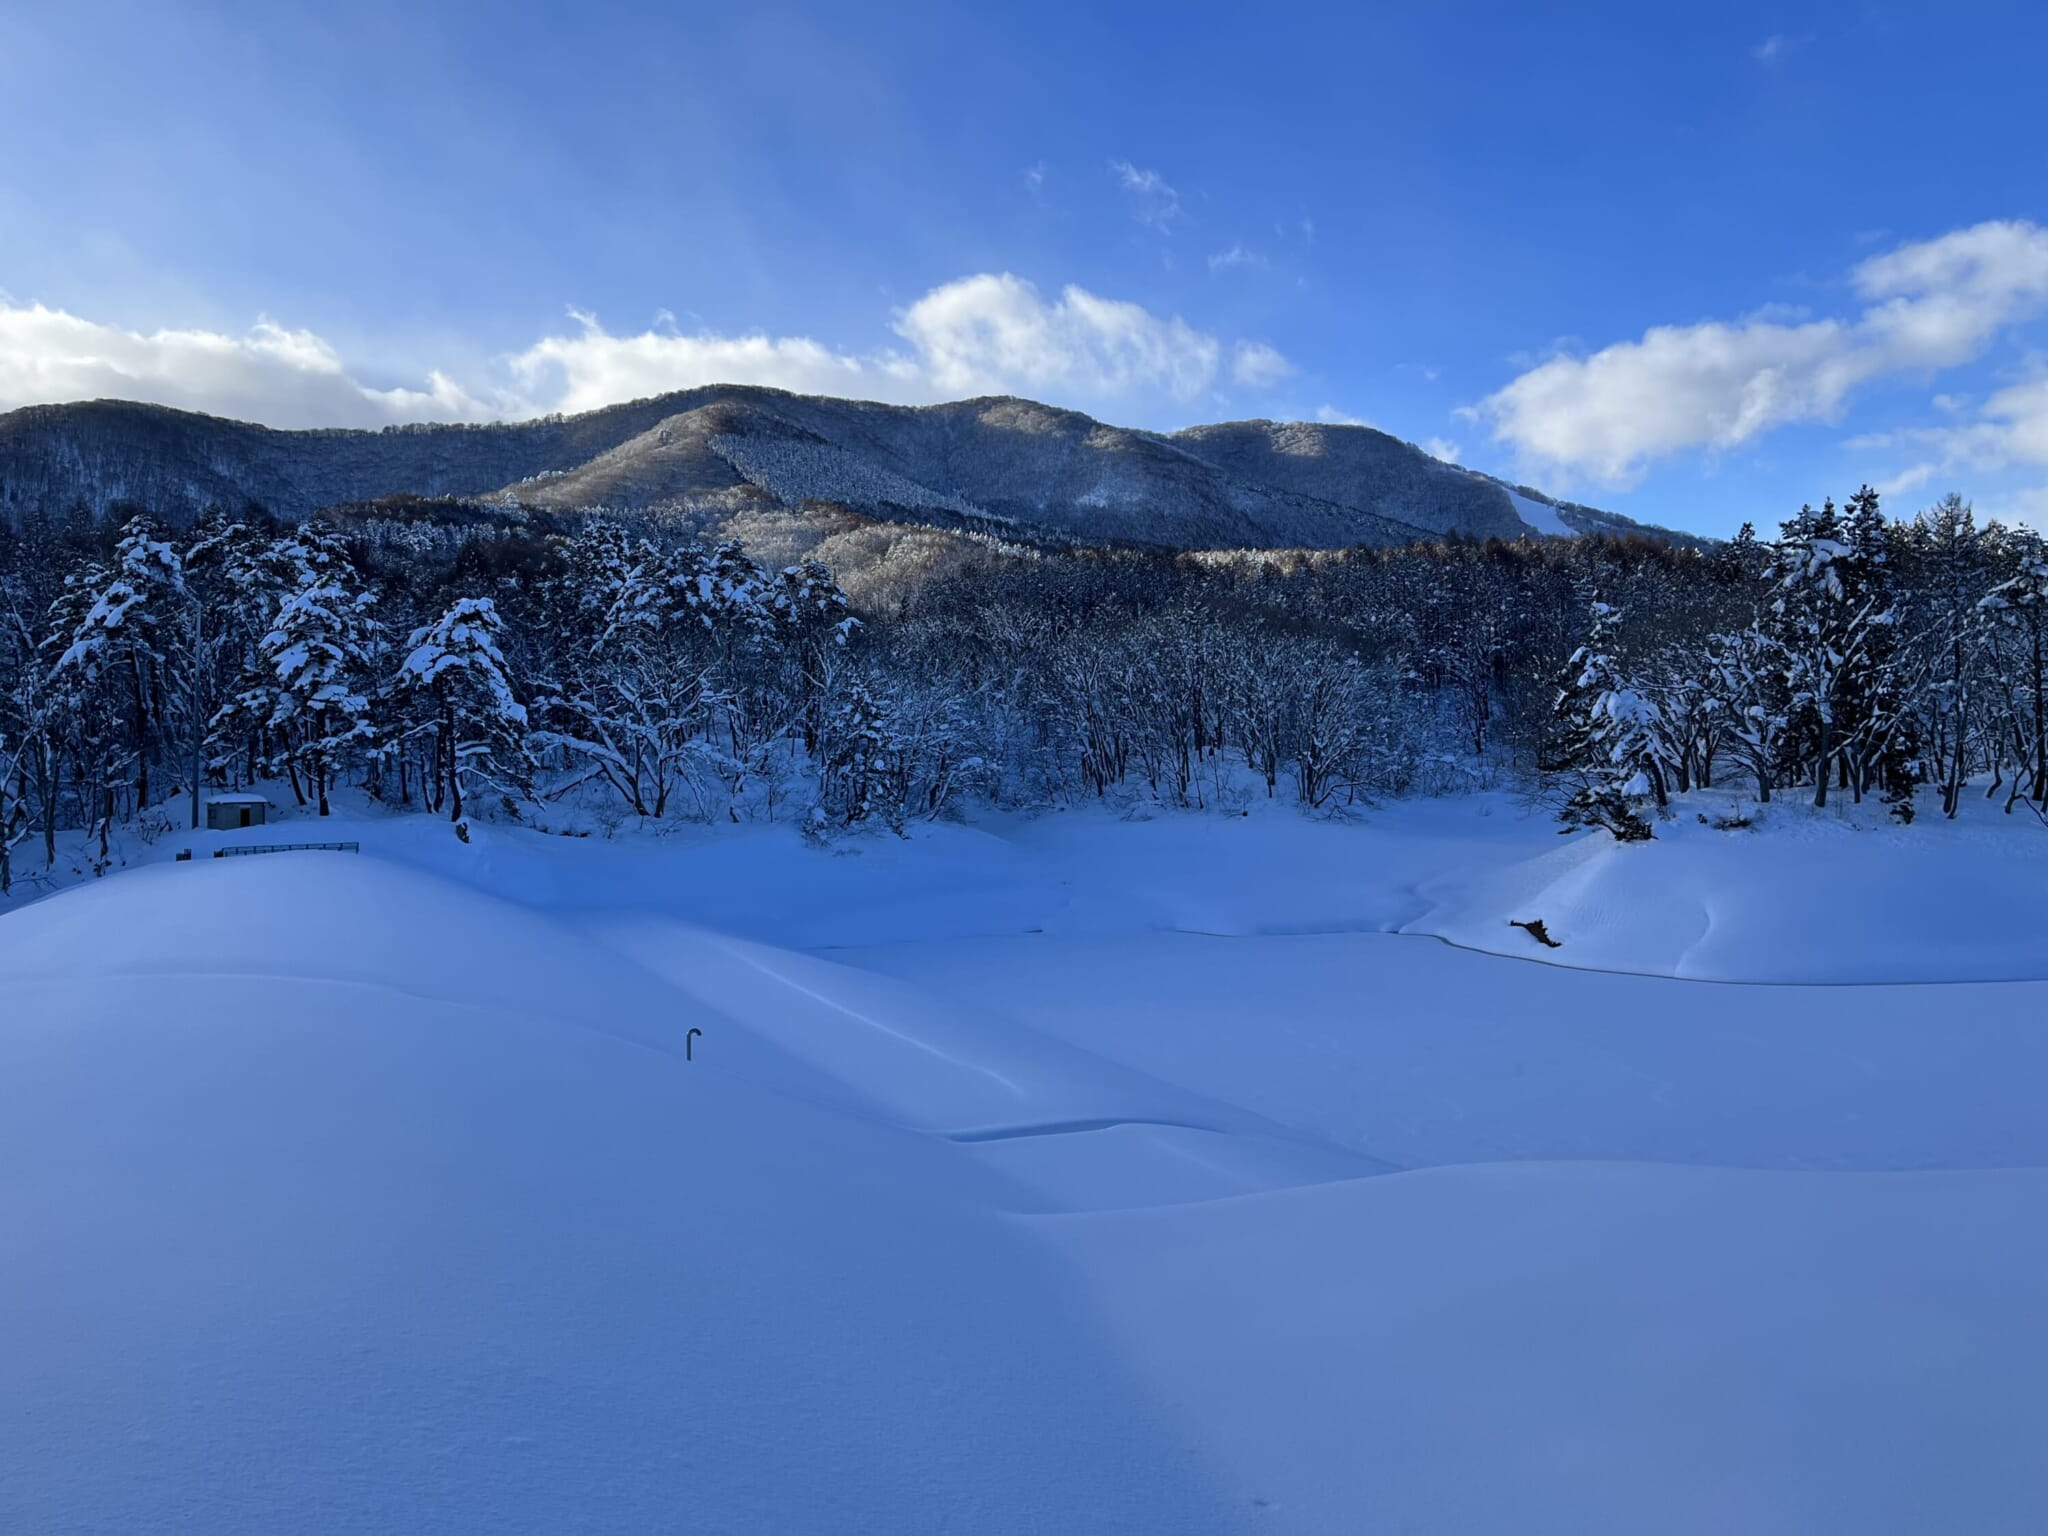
(333,1187)
(336,920)
(1798,896)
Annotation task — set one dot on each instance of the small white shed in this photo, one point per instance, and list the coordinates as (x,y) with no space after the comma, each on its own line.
(225,812)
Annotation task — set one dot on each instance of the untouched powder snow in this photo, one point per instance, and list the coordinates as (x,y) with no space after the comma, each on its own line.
(1074,1174)
(1565,1348)
(286,1247)
(1407,1050)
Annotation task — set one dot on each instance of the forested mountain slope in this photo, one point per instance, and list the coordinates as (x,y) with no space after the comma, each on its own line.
(1027,472)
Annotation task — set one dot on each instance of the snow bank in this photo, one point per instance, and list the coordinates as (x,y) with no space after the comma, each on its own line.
(1799,896)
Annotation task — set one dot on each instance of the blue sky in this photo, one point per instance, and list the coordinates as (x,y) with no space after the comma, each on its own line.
(1697,264)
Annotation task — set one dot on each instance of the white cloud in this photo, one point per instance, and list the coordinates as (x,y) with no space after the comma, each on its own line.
(1442,448)
(1258,366)
(1152,200)
(1331,416)
(1772,50)
(2018,415)
(1237,256)
(593,367)
(289,378)
(1929,305)
(993,333)
(1909,479)
(1034,178)
(1938,302)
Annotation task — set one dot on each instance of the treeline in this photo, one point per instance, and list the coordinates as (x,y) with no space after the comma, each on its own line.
(1868,657)
(614,665)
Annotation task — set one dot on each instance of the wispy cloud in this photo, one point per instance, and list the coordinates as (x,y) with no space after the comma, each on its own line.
(1258,366)
(1153,200)
(1780,48)
(1238,256)
(2010,428)
(1331,416)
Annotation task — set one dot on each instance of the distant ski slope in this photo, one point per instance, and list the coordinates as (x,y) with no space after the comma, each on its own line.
(1540,518)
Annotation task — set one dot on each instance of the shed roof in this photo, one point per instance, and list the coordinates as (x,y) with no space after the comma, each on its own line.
(237,800)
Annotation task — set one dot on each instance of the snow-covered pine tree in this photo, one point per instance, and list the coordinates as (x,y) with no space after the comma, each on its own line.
(127,639)
(459,694)
(1605,742)
(1826,615)
(816,622)
(249,572)
(644,701)
(1950,633)
(1694,714)
(2018,609)
(856,771)
(319,651)
(25,723)
(1746,671)
(607,707)
(1880,731)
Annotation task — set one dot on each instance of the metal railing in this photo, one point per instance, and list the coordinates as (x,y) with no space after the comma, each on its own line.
(230,853)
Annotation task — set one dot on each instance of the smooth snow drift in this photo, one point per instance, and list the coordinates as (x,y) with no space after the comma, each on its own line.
(289,1247)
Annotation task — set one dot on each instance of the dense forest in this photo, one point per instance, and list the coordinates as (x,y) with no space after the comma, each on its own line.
(614,666)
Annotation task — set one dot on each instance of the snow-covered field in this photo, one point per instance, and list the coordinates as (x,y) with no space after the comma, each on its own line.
(1062,1174)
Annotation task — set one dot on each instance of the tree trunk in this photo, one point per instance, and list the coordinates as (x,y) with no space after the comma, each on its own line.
(2040,722)
(52,775)
(454,762)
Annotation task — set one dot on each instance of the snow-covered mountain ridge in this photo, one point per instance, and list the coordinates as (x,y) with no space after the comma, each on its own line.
(1014,468)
